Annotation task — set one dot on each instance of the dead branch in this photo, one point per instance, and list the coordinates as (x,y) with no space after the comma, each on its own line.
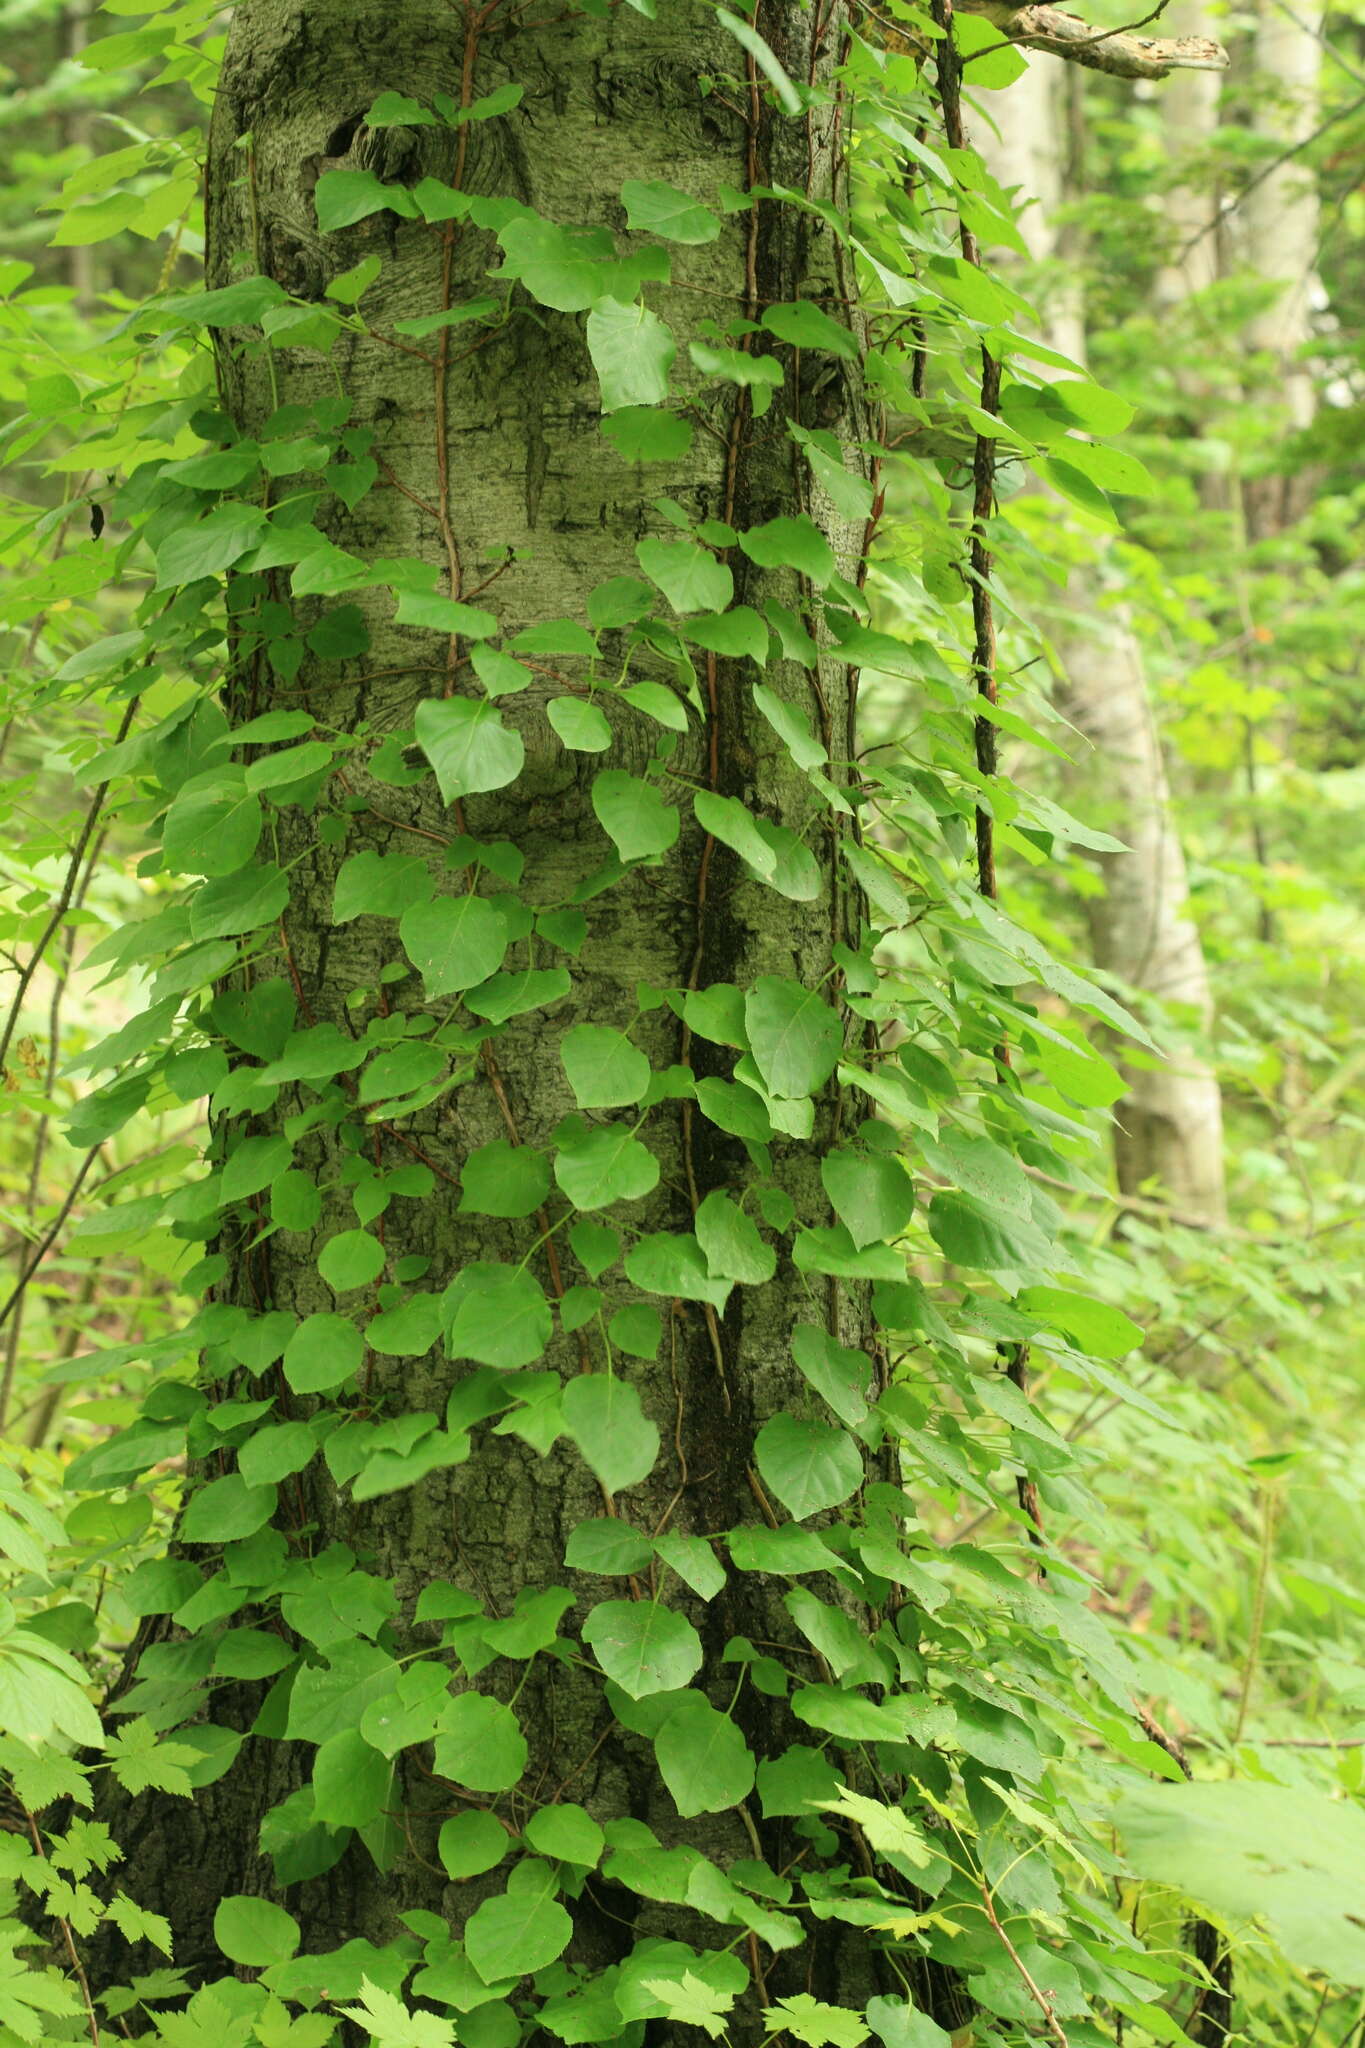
(1123,55)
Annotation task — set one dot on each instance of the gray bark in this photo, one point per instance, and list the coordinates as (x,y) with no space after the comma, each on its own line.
(529,473)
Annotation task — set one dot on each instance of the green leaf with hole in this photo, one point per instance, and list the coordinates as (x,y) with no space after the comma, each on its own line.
(617,1441)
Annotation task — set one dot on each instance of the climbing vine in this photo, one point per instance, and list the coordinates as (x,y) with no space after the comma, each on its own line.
(739,1265)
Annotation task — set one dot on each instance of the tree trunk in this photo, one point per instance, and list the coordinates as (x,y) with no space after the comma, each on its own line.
(1168,1128)
(492,469)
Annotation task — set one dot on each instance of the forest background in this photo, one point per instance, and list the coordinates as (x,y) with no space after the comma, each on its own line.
(1180,631)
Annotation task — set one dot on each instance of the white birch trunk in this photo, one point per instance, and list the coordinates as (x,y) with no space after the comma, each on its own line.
(1168,1131)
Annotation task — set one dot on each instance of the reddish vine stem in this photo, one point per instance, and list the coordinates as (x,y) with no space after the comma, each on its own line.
(1015,1357)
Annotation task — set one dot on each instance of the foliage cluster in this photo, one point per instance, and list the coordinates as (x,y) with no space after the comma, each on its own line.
(970,1724)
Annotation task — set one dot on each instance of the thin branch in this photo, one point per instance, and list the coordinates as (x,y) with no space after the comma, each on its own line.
(1117,51)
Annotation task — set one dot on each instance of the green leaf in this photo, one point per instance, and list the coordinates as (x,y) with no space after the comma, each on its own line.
(351,1259)
(734,1250)
(471,1843)
(806,326)
(841,1376)
(516,1934)
(440,614)
(582,727)
(791,543)
(344,197)
(240,902)
(656,208)
(899,2025)
(512,995)
(1252,1851)
(275,1453)
(226,1510)
(454,943)
(644,1647)
(703,1758)
(648,434)
(689,576)
(604,1418)
(674,1263)
(632,352)
(254,1932)
(213,544)
(379,885)
(810,1466)
(324,1352)
(794,1036)
(468,746)
(870,1193)
(605,1070)
(351,1781)
(496,1315)
(603,1165)
(607,1546)
(567,1833)
(728,820)
(385,2016)
(638,1331)
(504,1180)
(738,632)
(810,2020)
(749,39)
(479,1743)
(1095,1326)
(634,815)
(213,826)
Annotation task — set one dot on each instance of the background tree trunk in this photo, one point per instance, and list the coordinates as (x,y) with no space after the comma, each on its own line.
(1168,1128)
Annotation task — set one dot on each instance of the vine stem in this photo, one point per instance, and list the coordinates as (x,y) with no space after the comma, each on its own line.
(1269,1505)
(1015,1357)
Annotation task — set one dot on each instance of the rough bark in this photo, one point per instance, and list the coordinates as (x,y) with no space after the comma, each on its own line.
(540,509)
(1168,1128)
